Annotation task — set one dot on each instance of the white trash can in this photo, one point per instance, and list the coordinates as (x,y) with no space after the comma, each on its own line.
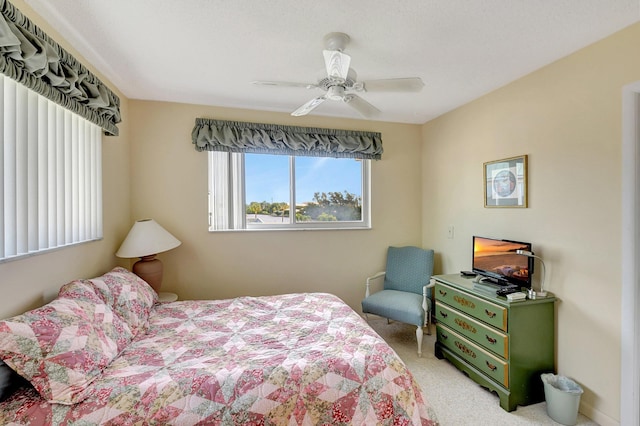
(563,398)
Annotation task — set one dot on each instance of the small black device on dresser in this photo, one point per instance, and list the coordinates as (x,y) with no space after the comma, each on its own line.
(507,289)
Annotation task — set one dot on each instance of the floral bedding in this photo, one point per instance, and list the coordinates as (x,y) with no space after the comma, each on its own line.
(296,359)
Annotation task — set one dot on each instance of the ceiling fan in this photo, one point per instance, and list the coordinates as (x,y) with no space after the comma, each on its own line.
(341,83)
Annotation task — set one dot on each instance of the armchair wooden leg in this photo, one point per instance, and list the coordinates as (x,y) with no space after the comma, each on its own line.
(419,337)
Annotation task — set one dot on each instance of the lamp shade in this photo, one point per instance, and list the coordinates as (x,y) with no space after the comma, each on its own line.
(146,238)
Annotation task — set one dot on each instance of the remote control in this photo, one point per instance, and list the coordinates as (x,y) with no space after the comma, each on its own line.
(503,291)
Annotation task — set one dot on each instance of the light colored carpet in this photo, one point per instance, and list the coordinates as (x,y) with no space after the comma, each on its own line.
(456,399)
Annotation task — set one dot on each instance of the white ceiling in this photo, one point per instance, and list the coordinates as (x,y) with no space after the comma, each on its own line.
(208,51)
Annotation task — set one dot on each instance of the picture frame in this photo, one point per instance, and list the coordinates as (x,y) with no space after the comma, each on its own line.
(505,183)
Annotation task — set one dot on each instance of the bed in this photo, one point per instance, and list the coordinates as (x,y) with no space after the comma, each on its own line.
(105,352)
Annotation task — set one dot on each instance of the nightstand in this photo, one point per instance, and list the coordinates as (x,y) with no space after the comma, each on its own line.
(164,297)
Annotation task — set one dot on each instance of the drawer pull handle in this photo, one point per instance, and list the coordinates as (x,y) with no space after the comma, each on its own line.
(489,313)
(491,340)
(491,366)
(442,293)
(443,314)
(444,336)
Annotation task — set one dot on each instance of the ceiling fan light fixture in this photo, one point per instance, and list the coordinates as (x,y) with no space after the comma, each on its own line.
(337,64)
(335,93)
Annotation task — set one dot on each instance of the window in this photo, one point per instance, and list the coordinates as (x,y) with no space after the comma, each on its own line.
(50,175)
(262,191)
(270,176)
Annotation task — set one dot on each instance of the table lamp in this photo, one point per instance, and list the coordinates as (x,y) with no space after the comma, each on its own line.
(536,294)
(146,239)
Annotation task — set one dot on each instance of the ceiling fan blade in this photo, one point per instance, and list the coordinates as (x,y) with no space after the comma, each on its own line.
(363,107)
(284,84)
(309,106)
(411,84)
(337,64)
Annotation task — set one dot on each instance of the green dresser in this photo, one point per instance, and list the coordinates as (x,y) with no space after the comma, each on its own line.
(503,346)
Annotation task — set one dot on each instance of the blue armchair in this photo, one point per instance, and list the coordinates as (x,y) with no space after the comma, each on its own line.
(406,296)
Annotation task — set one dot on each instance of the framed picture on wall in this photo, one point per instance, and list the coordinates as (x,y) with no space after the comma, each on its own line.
(505,182)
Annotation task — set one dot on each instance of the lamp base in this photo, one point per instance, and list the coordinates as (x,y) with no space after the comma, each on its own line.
(150,270)
(532,294)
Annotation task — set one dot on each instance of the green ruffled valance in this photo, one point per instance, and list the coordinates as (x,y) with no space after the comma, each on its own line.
(31,57)
(238,136)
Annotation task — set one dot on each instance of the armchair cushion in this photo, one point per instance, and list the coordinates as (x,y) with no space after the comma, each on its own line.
(397,305)
(408,269)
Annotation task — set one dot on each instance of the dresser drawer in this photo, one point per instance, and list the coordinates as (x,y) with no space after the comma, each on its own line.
(485,336)
(494,367)
(481,309)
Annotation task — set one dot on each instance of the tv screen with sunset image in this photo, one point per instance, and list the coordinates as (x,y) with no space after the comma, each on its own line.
(498,260)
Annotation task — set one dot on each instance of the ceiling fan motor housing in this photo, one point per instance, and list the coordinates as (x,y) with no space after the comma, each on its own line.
(327,82)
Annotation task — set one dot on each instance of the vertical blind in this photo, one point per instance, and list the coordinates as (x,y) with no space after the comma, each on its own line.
(51,176)
(226,191)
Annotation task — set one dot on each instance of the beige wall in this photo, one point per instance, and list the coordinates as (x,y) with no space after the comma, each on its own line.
(567,118)
(169,184)
(33,281)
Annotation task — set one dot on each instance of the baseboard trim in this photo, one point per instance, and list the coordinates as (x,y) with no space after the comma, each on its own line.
(597,416)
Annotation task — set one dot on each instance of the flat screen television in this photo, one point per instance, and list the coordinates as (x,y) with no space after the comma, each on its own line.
(497,261)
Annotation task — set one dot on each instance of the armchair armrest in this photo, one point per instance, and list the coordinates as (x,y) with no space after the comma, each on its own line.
(373,277)
(432,283)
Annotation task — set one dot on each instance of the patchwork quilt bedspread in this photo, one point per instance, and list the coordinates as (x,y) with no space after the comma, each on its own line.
(296,359)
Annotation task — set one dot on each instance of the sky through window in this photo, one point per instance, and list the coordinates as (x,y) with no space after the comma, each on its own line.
(267,177)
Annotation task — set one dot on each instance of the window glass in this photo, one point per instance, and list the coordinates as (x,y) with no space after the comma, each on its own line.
(328,189)
(280,191)
(267,189)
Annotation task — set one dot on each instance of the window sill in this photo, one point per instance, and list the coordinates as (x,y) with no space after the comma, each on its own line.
(271,229)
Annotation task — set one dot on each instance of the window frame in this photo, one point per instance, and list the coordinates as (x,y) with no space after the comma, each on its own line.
(234,197)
